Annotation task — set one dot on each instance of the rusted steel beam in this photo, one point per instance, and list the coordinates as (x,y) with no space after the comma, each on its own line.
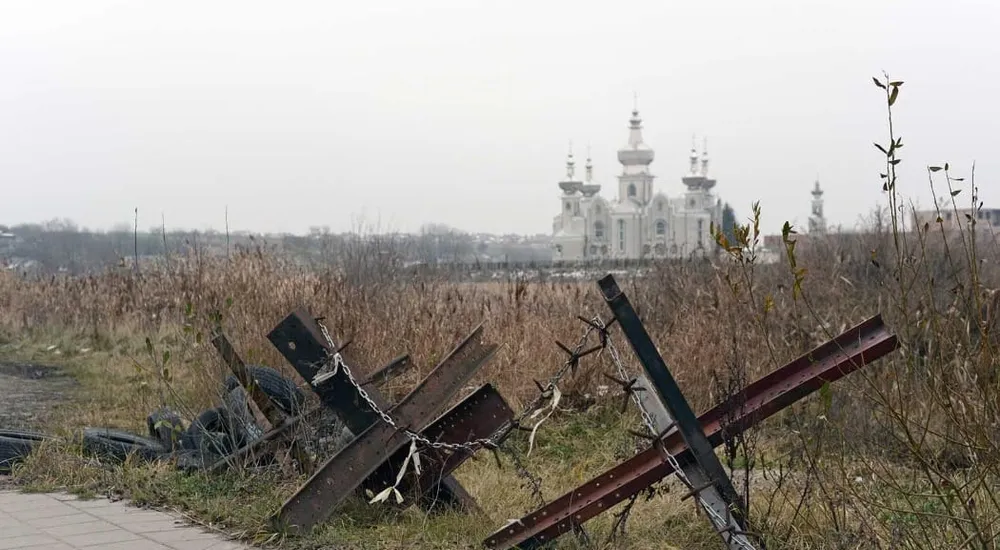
(829,362)
(395,368)
(663,422)
(232,359)
(272,414)
(300,340)
(480,415)
(343,473)
(706,472)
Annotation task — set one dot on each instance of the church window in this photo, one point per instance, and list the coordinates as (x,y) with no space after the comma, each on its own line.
(661,228)
(701,227)
(597,209)
(599,230)
(659,206)
(631,189)
(691,203)
(568,207)
(621,235)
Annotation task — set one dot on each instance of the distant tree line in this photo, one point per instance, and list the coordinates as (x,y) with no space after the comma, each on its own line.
(63,245)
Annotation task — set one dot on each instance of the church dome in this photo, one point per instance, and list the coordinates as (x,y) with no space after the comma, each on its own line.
(569,187)
(641,155)
(636,152)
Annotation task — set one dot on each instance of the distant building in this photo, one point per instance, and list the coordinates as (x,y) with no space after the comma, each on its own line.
(8,241)
(638,223)
(817,221)
(956,219)
(774,245)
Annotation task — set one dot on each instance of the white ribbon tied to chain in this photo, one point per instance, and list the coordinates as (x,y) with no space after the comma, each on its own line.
(323,377)
(556,396)
(394,489)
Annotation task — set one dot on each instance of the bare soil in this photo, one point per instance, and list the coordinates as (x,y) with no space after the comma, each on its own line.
(28,391)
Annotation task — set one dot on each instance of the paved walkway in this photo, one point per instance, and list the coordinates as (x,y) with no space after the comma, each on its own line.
(63,522)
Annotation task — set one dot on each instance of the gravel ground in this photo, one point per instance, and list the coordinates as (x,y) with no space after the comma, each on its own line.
(28,391)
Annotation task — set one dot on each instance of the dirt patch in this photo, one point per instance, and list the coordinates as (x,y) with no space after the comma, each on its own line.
(28,391)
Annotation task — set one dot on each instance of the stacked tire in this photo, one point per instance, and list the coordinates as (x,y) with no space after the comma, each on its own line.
(16,445)
(223,430)
(214,434)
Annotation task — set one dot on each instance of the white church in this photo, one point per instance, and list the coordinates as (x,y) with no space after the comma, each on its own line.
(639,222)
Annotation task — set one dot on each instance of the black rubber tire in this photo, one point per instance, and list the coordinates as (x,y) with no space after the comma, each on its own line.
(119,445)
(16,445)
(285,394)
(194,460)
(238,404)
(214,431)
(165,426)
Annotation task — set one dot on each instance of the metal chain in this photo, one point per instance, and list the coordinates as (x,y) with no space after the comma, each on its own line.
(717,520)
(596,324)
(339,365)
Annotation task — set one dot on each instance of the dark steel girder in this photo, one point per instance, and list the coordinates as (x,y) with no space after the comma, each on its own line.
(850,351)
(345,472)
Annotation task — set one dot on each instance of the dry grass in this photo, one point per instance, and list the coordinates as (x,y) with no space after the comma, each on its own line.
(701,315)
(903,454)
(112,315)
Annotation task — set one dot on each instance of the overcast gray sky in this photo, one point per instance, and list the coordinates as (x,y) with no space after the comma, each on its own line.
(401,112)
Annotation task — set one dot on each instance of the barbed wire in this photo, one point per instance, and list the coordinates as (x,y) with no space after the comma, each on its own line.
(547,391)
(335,363)
(491,442)
(720,524)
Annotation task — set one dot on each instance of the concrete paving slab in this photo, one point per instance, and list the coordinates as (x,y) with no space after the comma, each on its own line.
(64,522)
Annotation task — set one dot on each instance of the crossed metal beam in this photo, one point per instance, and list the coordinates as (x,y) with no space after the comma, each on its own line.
(690,440)
(372,458)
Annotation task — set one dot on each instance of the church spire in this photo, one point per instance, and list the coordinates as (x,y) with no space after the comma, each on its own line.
(570,163)
(694,156)
(817,221)
(589,167)
(704,158)
(635,125)
(635,156)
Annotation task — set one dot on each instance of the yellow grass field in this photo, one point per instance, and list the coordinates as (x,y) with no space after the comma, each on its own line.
(901,454)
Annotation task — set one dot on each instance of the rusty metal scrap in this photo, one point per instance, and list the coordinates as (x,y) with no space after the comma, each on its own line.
(274,417)
(299,337)
(829,362)
(480,415)
(343,473)
(715,490)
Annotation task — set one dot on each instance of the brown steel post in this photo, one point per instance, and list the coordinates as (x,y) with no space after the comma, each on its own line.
(342,474)
(300,340)
(831,361)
